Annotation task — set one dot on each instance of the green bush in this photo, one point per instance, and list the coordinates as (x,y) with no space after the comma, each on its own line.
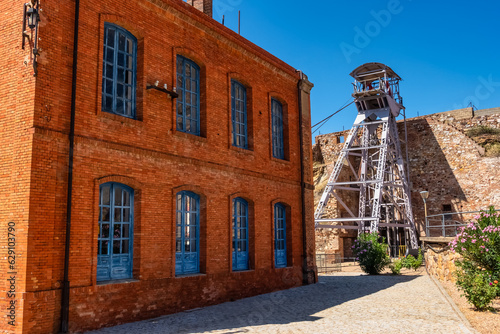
(396,267)
(410,262)
(482,130)
(478,272)
(477,287)
(370,253)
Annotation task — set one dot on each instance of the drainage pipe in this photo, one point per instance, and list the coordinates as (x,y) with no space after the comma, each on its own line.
(65,287)
(305,269)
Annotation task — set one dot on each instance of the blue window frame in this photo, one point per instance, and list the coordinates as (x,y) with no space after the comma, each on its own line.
(280,235)
(115,237)
(240,234)
(119,71)
(188,102)
(239,114)
(187,240)
(277,129)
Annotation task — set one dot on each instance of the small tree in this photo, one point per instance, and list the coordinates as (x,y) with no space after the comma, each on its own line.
(478,272)
(370,253)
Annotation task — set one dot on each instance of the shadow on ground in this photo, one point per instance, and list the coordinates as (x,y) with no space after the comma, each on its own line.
(282,307)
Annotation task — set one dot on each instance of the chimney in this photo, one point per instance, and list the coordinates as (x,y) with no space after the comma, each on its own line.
(203,5)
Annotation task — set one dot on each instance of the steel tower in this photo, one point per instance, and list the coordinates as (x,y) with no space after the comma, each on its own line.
(373,158)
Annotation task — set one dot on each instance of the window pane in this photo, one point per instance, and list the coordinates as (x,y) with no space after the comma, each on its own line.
(118,196)
(119,106)
(117,231)
(126,230)
(105,214)
(126,215)
(121,59)
(128,93)
(130,46)
(104,247)
(105,195)
(125,245)
(111,37)
(120,75)
(119,90)
(109,87)
(121,42)
(126,198)
(116,247)
(128,77)
(109,71)
(104,231)
(110,55)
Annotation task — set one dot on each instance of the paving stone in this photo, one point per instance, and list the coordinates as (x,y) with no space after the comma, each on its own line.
(339,303)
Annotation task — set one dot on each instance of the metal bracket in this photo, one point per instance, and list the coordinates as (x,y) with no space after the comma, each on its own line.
(172,94)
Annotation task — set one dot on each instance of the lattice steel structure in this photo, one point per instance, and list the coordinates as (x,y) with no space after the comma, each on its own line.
(373,158)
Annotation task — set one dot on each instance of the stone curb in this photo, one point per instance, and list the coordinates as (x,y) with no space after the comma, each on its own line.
(450,301)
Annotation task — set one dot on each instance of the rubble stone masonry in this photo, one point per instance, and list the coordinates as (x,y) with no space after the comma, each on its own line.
(443,160)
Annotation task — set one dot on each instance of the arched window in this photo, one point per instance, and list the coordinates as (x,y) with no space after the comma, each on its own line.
(240,234)
(115,237)
(239,114)
(187,238)
(119,71)
(277,129)
(280,235)
(188,102)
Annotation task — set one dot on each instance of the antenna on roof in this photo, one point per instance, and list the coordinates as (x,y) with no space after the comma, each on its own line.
(239,22)
(223,19)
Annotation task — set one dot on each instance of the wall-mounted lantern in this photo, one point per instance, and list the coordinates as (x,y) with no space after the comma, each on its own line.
(31,19)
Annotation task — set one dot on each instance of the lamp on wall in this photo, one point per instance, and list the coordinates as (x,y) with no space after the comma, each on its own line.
(425,196)
(31,19)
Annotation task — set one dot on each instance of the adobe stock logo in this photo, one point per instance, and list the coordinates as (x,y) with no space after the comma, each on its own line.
(221,7)
(373,28)
(484,90)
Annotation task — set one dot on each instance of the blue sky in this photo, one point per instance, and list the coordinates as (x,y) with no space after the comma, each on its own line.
(447,52)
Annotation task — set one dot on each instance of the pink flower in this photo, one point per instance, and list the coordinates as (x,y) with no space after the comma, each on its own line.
(473,241)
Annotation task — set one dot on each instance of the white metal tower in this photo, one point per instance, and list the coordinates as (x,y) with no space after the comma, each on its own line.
(373,158)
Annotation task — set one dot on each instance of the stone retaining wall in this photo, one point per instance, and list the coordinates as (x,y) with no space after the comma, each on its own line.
(441,265)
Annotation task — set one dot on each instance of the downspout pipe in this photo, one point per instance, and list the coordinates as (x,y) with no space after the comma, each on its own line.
(305,269)
(65,286)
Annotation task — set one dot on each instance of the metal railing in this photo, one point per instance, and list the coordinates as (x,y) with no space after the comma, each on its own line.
(447,224)
(328,263)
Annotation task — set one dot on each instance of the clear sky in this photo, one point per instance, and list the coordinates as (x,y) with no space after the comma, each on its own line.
(447,52)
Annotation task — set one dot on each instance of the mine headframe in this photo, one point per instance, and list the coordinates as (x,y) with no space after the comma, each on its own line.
(373,159)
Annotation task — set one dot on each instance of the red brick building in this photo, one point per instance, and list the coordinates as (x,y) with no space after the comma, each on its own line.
(175,152)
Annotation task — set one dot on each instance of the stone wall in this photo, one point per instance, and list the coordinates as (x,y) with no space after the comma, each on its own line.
(443,160)
(441,265)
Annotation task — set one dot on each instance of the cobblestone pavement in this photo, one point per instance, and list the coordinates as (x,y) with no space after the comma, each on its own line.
(339,303)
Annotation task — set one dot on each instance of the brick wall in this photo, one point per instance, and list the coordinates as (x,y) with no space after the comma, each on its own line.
(17,92)
(149,155)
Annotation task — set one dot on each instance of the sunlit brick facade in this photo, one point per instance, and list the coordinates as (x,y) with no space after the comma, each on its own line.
(191,165)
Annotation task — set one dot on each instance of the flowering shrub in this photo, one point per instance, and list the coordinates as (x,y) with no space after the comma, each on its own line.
(478,271)
(370,253)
